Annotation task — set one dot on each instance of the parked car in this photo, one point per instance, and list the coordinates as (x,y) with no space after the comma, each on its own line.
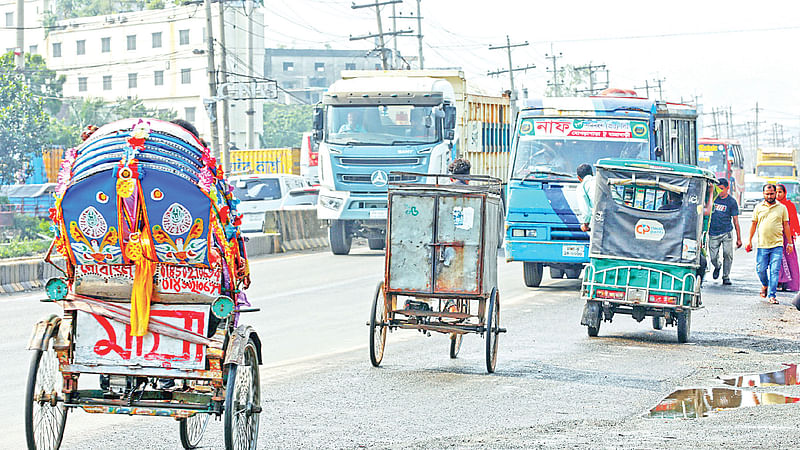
(301,197)
(261,193)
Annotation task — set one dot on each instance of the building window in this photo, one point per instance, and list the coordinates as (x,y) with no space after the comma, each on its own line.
(157,40)
(33,49)
(189,114)
(9,19)
(186,76)
(318,82)
(319,67)
(350,66)
(106,82)
(82,84)
(82,47)
(158,77)
(183,37)
(288,85)
(57,50)
(131,81)
(131,42)
(105,44)
(288,66)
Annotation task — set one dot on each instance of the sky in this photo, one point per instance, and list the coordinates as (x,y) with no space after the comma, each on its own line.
(726,54)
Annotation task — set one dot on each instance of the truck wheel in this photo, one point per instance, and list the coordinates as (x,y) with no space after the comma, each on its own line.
(376,244)
(533,273)
(338,237)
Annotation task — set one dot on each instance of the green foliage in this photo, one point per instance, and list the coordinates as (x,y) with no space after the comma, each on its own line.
(39,79)
(284,125)
(23,122)
(28,227)
(24,248)
(572,83)
(29,236)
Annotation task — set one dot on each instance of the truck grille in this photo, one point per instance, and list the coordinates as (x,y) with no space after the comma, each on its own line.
(379,161)
(368,178)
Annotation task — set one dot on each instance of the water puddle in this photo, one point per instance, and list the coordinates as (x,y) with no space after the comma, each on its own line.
(700,402)
(784,377)
(696,403)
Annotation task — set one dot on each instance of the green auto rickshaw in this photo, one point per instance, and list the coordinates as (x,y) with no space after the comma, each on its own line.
(648,233)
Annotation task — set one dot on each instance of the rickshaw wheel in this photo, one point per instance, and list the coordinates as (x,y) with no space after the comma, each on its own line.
(684,325)
(45,415)
(192,429)
(455,344)
(492,330)
(377,327)
(659,322)
(243,402)
(593,331)
(532,273)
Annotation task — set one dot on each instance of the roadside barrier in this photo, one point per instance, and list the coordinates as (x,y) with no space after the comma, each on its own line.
(296,229)
(24,274)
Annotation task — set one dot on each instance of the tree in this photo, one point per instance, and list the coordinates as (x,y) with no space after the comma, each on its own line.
(23,122)
(41,80)
(284,125)
(571,81)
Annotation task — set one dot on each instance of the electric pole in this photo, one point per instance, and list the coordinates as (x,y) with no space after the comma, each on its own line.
(592,69)
(660,92)
(251,110)
(756,126)
(554,58)
(20,34)
(212,81)
(511,71)
(382,44)
(716,124)
(224,113)
(419,31)
(646,88)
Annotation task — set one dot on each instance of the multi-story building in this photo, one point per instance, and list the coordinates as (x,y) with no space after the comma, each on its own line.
(34,31)
(303,74)
(158,56)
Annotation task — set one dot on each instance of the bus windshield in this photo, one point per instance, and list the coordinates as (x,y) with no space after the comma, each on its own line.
(382,125)
(775,171)
(561,145)
(712,157)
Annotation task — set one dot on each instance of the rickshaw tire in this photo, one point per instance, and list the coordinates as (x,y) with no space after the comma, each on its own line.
(36,360)
(376,355)
(492,323)
(684,320)
(455,344)
(659,322)
(188,441)
(532,273)
(231,428)
(593,331)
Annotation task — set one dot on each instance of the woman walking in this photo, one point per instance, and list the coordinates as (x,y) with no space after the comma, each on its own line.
(789,279)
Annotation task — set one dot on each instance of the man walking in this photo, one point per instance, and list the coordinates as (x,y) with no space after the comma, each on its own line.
(585,195)
(772,221)
(724,219)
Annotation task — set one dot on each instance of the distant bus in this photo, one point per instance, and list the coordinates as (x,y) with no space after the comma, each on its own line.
(724,157)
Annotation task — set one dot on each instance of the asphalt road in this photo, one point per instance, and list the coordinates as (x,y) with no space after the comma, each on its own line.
(554,386)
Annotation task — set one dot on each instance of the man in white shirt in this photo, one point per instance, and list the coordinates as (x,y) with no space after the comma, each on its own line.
(585,195)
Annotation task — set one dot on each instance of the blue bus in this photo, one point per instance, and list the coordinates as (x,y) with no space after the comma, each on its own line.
(553,137)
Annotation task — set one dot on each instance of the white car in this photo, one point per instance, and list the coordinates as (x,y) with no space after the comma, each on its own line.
(260,193)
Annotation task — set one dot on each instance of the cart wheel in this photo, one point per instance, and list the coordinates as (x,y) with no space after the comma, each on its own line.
(376,244)
(532,273)
(192,429)
(492,330)
(593,331)
(684,326)
(377,327)
(455,344)
(45,413)
(243,402)
(659,322)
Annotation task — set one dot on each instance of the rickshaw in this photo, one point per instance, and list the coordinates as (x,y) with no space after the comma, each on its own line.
(153,272)
(648,231)
(441,262)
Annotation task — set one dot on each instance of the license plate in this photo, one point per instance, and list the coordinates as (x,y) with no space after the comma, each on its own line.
(572,250)
(378,214)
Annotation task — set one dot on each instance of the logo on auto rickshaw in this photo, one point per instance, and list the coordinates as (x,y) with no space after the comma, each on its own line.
(639,130)
(649,230)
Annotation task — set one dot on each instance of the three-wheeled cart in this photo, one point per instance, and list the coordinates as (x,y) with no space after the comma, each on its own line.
(151,292)
(649,230)
(441,262)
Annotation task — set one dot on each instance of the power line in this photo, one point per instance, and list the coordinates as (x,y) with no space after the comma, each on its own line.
(666,35)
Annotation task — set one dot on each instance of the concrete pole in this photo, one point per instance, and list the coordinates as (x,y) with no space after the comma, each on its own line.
(251,111)
(212,79)
(21,33)
(380,38)
(419,35)
(395,59)
(224,113)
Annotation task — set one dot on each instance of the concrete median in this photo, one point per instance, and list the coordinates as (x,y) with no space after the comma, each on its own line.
(24,274)
(296,229)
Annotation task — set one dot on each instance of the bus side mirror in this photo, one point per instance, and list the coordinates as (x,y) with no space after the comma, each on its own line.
(449,122)
(317,123)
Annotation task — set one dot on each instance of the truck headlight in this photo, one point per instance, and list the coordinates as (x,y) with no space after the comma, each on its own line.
(330,202)
(519,232)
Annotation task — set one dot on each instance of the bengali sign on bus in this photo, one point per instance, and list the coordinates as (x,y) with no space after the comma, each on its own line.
(585,128)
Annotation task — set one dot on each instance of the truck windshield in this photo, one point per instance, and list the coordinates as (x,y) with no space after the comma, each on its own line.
(712,157)
(382,125)
(775,171)
(561,145)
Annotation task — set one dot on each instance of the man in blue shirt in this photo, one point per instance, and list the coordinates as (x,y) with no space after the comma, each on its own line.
(724,219)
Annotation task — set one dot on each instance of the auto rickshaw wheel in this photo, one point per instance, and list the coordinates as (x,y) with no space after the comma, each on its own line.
(593,331)
(659,322)
(532,273)
(378,325)
(45,413)
(243,402)
(492,330)
(684,320)
(455,344)
(192,429)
